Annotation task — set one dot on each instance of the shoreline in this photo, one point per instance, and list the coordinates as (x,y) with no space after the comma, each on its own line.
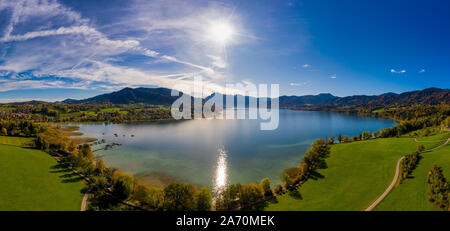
(76,124)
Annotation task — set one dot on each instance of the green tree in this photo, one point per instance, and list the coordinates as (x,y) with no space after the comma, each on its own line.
(85,152)
(420,148)
(447,122)
(152,197)
(366,135)
(278,190)
(315,156)
(331,140)
(340,138)
(291,177)
(376,134)
(100,167)
(438,188)
(179,197)
(228,198)
(265,185)
(99,184)
(204,199)
(250,193)
(123,185)
(4,132)
(346,139)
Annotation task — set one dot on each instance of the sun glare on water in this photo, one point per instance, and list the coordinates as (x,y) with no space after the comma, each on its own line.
(220,179)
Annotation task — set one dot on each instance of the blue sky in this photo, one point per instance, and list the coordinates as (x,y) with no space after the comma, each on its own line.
(51,50)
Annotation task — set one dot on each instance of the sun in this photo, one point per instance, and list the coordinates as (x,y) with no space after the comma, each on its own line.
(220,32)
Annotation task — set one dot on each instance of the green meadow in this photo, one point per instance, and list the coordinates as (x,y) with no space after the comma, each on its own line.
(27,142)
(33,181)
(356,174)
(411,195)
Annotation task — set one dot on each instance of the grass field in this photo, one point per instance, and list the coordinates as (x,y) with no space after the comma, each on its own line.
(411,195)
(31,180)
(424,132)
(110,110)
(17,141)
(357,174)
(382,110)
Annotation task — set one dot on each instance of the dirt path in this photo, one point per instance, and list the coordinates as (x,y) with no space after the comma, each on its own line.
(389,188)
(397,171)
(440,146)
(84,201)
(427,141)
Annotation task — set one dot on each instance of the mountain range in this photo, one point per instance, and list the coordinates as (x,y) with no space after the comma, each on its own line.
(162,96)
(157,96)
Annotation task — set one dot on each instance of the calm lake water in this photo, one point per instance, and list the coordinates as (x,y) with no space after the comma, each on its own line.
(216,152)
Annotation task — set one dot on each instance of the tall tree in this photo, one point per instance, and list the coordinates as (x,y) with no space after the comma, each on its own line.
(179,197)
(265,185)
(123,185)
(204,199)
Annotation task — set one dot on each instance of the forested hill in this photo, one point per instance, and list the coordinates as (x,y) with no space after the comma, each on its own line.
(162,96)
(429,96)
(306,99)
(156,96)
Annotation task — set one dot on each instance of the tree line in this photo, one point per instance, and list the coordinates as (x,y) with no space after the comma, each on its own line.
(60,112)
(409,163)
(438,188)
(313,159)
(411,125)
(20,127)
(244,196)
(114,186)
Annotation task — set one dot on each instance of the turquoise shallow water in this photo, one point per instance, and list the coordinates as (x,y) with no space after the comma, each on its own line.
(205,152)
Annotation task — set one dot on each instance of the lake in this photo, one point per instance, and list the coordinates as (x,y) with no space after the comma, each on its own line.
(217,152)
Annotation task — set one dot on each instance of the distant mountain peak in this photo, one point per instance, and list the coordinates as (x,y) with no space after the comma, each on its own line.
(156,96)
(389,94)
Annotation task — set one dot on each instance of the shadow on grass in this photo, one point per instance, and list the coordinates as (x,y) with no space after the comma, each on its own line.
(84,190)
(72,180)
(322,165)
(273,200)
(30,147)
(295,194)
(69,177)
(59,168)
(315,175)
(257,207)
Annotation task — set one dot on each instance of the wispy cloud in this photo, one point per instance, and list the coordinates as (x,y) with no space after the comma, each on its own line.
(398,71)
(50,39)
(8,85)
(306,65)
(83,30)
(422,71)
(333,76)
(16,100)
(296,84)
